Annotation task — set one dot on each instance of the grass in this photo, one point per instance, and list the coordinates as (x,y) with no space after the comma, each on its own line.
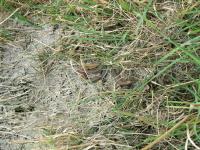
(154,109)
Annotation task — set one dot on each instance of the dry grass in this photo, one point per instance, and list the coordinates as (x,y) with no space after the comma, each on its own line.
(132,68)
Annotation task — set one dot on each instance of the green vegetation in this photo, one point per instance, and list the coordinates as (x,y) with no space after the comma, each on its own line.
(161,108)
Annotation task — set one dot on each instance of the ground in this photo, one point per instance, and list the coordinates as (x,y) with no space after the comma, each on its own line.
(99,74)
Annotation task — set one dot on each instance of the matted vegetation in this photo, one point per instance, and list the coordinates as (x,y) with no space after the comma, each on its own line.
(142,58)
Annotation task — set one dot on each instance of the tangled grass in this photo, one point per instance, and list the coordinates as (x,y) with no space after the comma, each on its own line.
(142,57)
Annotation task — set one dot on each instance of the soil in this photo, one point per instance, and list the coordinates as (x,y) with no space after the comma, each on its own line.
(32,100)
(41,96)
